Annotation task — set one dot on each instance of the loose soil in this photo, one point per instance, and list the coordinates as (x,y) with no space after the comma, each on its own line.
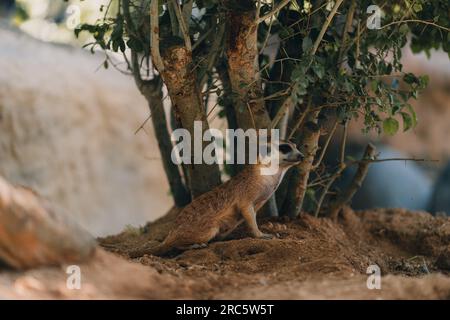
(311,258)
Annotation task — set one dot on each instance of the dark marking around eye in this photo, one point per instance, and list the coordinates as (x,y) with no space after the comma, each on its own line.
(285,148)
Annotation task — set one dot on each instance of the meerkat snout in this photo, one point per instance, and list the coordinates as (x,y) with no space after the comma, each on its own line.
(289,154)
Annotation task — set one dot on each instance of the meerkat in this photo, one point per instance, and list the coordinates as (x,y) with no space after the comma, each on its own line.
(215,214)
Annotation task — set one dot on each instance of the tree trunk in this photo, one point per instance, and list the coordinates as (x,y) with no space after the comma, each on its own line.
(179,77)
(243,68)
(346,196)
(300,175)
(230,114)
(152,90)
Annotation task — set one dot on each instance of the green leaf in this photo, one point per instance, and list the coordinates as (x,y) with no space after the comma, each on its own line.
(407,121)
(374,85)
(115,46)
(319,70)
(413,115)
(122,45)
(404,29)
(410,78)
(379,101)
(423,81)
(307,44)
(417,7)
(134,44)
(297,74)
(390,126)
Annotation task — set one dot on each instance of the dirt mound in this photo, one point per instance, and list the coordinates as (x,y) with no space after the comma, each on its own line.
(322,258)
(106,276)
(311,258)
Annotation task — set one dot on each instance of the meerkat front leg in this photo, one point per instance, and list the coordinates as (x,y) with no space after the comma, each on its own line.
(249,215)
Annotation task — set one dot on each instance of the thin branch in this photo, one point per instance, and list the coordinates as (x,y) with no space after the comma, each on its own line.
(143,124)
(187,12)
(258,8)
(134,64)
(348,24)
(326,189)
(173,19)
(274,11)
(277,94)
(213,52)
(325,147)
(343,143)
(251,115)
(416,21)
(183,27)
(267,36)
(302,118)
(154,36)
(287,104)
(356,183)
(202,38)
(325,25)
(395,159)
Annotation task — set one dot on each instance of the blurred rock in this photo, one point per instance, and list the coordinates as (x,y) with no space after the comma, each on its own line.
(7,7)
(67,130)
(440,199)
(33,235)
(390,184)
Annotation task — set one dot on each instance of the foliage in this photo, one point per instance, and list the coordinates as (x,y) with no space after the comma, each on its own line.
(348,72)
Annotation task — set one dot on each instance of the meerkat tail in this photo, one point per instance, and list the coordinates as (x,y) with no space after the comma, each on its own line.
(157,250)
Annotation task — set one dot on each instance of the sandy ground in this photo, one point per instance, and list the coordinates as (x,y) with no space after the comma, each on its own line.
(311,258)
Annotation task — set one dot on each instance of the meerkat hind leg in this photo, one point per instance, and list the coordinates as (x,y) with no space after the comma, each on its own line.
(249,215)
(195,246)
(200,240)
(225,235)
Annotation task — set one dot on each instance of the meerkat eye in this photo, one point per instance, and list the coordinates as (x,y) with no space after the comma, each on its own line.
(285,148)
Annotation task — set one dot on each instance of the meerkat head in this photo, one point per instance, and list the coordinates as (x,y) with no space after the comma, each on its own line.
(285,153)
(289,155)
